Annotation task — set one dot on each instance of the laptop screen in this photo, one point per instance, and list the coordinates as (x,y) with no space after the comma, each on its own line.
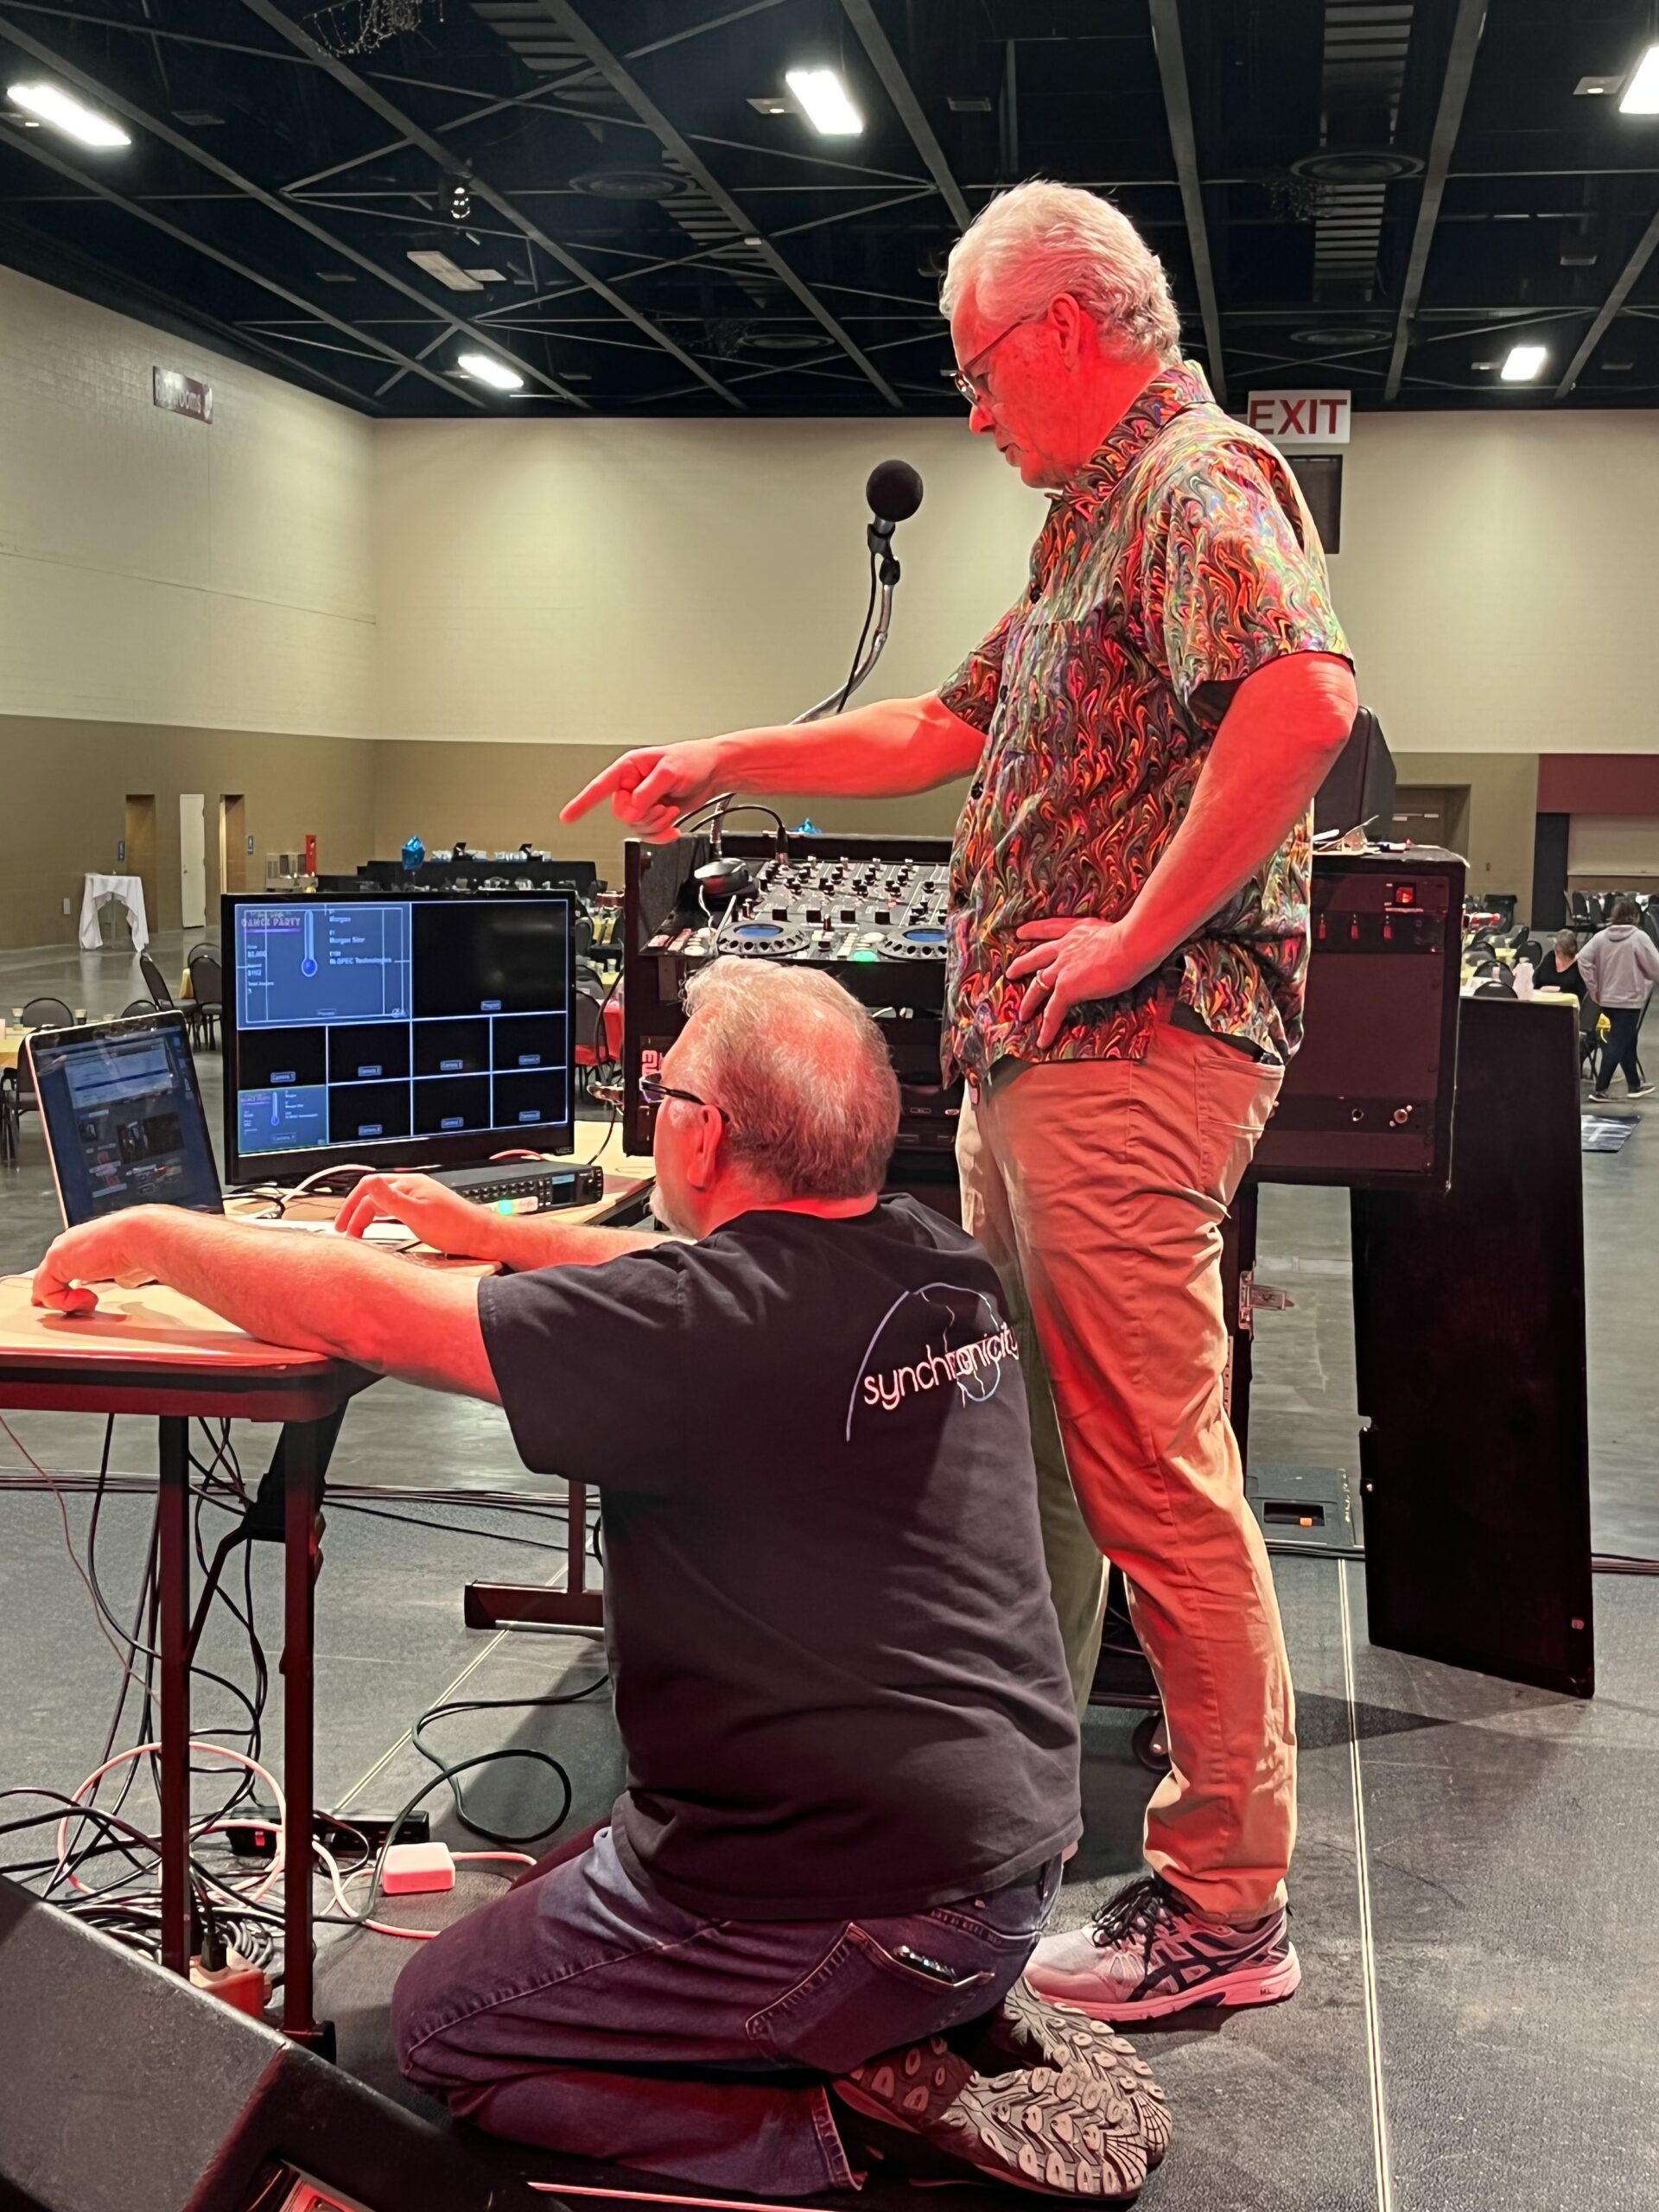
(124,1118)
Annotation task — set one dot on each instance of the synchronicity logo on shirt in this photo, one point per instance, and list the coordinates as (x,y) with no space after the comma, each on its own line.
(972,1364)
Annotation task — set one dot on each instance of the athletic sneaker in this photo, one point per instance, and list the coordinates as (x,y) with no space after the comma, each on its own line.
(1025,2030)
(1065,2133)
(1148,1952)
(1599,1097)
(1643,1090)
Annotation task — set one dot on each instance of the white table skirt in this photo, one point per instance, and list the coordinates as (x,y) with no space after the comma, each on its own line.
(129,890)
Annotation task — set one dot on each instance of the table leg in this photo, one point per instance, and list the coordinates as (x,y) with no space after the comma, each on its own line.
(303,1463)
(173,1556)
(501,1604)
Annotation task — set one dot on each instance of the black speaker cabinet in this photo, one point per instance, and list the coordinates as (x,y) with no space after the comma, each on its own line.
(124,2089)
(1470,1349)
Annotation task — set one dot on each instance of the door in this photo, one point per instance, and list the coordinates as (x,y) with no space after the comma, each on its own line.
(232,842)
(192,860)
(141,847)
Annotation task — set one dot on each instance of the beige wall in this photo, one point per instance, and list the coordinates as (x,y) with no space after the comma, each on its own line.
(66,789)
(1502,790)
(1498,579)
(615,582)
(158,569)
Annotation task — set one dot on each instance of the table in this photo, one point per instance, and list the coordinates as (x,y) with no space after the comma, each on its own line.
(129,890)
(150,1351)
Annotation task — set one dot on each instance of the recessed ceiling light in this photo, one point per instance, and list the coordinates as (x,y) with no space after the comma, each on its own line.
(1483,364)
(1523,363)
(968,103)
(54,105)
(769,103)
(1641,95)
(437,264)
(824,103)
(488,370)
(1594,88)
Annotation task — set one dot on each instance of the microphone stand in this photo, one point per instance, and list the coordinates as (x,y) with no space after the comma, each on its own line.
(878,538)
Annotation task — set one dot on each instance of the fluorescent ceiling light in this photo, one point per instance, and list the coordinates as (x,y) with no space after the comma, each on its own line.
(824,103)
(1523,363)
(438,263)
(54,105)
(1642,94)
(488,370)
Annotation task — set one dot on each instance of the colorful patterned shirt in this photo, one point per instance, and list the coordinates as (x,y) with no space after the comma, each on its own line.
(1180,561)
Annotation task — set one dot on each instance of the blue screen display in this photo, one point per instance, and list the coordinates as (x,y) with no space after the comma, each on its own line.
(381,1022)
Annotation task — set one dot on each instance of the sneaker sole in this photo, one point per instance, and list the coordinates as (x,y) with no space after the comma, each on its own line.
(1248,1985)
(1064,2134)
(1034,2030)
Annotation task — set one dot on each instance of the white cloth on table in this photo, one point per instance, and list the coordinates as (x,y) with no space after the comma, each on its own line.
(129,890)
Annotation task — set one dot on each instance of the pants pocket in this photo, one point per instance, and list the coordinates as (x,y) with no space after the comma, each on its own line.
(862,1998)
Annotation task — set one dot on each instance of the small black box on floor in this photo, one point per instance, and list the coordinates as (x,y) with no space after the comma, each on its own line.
(124,2089)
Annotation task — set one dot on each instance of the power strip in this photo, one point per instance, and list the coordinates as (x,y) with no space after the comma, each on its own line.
(257,1834)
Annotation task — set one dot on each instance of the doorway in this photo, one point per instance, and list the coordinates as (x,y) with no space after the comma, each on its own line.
(232,841)
(192,860)
(140,834)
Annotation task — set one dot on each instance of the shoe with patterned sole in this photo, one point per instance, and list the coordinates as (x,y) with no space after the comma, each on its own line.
(1027,2030)
(1149,1954)
(1062,2133)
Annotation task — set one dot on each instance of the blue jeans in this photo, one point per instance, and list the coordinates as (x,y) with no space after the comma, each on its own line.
(585,2014)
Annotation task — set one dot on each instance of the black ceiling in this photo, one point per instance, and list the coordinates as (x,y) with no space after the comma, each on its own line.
(1379,193)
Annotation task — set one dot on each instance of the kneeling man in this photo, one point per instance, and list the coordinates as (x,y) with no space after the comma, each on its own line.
(852,1748)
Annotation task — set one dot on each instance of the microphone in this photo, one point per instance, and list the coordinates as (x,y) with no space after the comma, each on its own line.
(894,492)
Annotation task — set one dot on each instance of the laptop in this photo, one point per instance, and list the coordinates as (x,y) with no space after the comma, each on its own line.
(123,1115)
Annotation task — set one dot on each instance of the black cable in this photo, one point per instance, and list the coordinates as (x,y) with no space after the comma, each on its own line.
(858,650)
(447,1772)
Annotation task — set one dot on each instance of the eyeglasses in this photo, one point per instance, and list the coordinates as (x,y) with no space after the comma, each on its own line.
(970,382)
(654,1092)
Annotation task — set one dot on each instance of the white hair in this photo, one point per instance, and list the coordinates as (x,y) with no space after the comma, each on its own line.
(801,1073)
(1039,240)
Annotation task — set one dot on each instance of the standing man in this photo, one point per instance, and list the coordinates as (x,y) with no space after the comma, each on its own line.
(1146,728)
(1619,968)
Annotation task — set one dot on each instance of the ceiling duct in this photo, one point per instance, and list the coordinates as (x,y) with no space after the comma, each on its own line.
(1362,76)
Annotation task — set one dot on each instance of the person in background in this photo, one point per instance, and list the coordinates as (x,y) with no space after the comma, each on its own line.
(1559,968)
(1619,968)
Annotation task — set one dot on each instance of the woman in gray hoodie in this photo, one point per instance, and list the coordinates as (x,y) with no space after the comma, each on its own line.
(1621,966)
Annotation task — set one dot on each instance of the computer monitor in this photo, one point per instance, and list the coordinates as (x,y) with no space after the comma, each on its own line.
(123,1117)
(419,1030)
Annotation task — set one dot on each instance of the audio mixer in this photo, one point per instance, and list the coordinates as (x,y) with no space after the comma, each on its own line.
(869,910)
(817,908)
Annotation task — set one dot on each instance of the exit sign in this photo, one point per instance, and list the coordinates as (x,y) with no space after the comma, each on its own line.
(1301,418)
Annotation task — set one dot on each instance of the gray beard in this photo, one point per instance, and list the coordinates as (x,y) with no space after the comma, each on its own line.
(663,1217)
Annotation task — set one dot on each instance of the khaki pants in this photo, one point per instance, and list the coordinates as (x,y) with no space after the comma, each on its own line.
(1099,1188)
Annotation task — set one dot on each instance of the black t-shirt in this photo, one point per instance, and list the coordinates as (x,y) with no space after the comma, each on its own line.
(837,1669)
